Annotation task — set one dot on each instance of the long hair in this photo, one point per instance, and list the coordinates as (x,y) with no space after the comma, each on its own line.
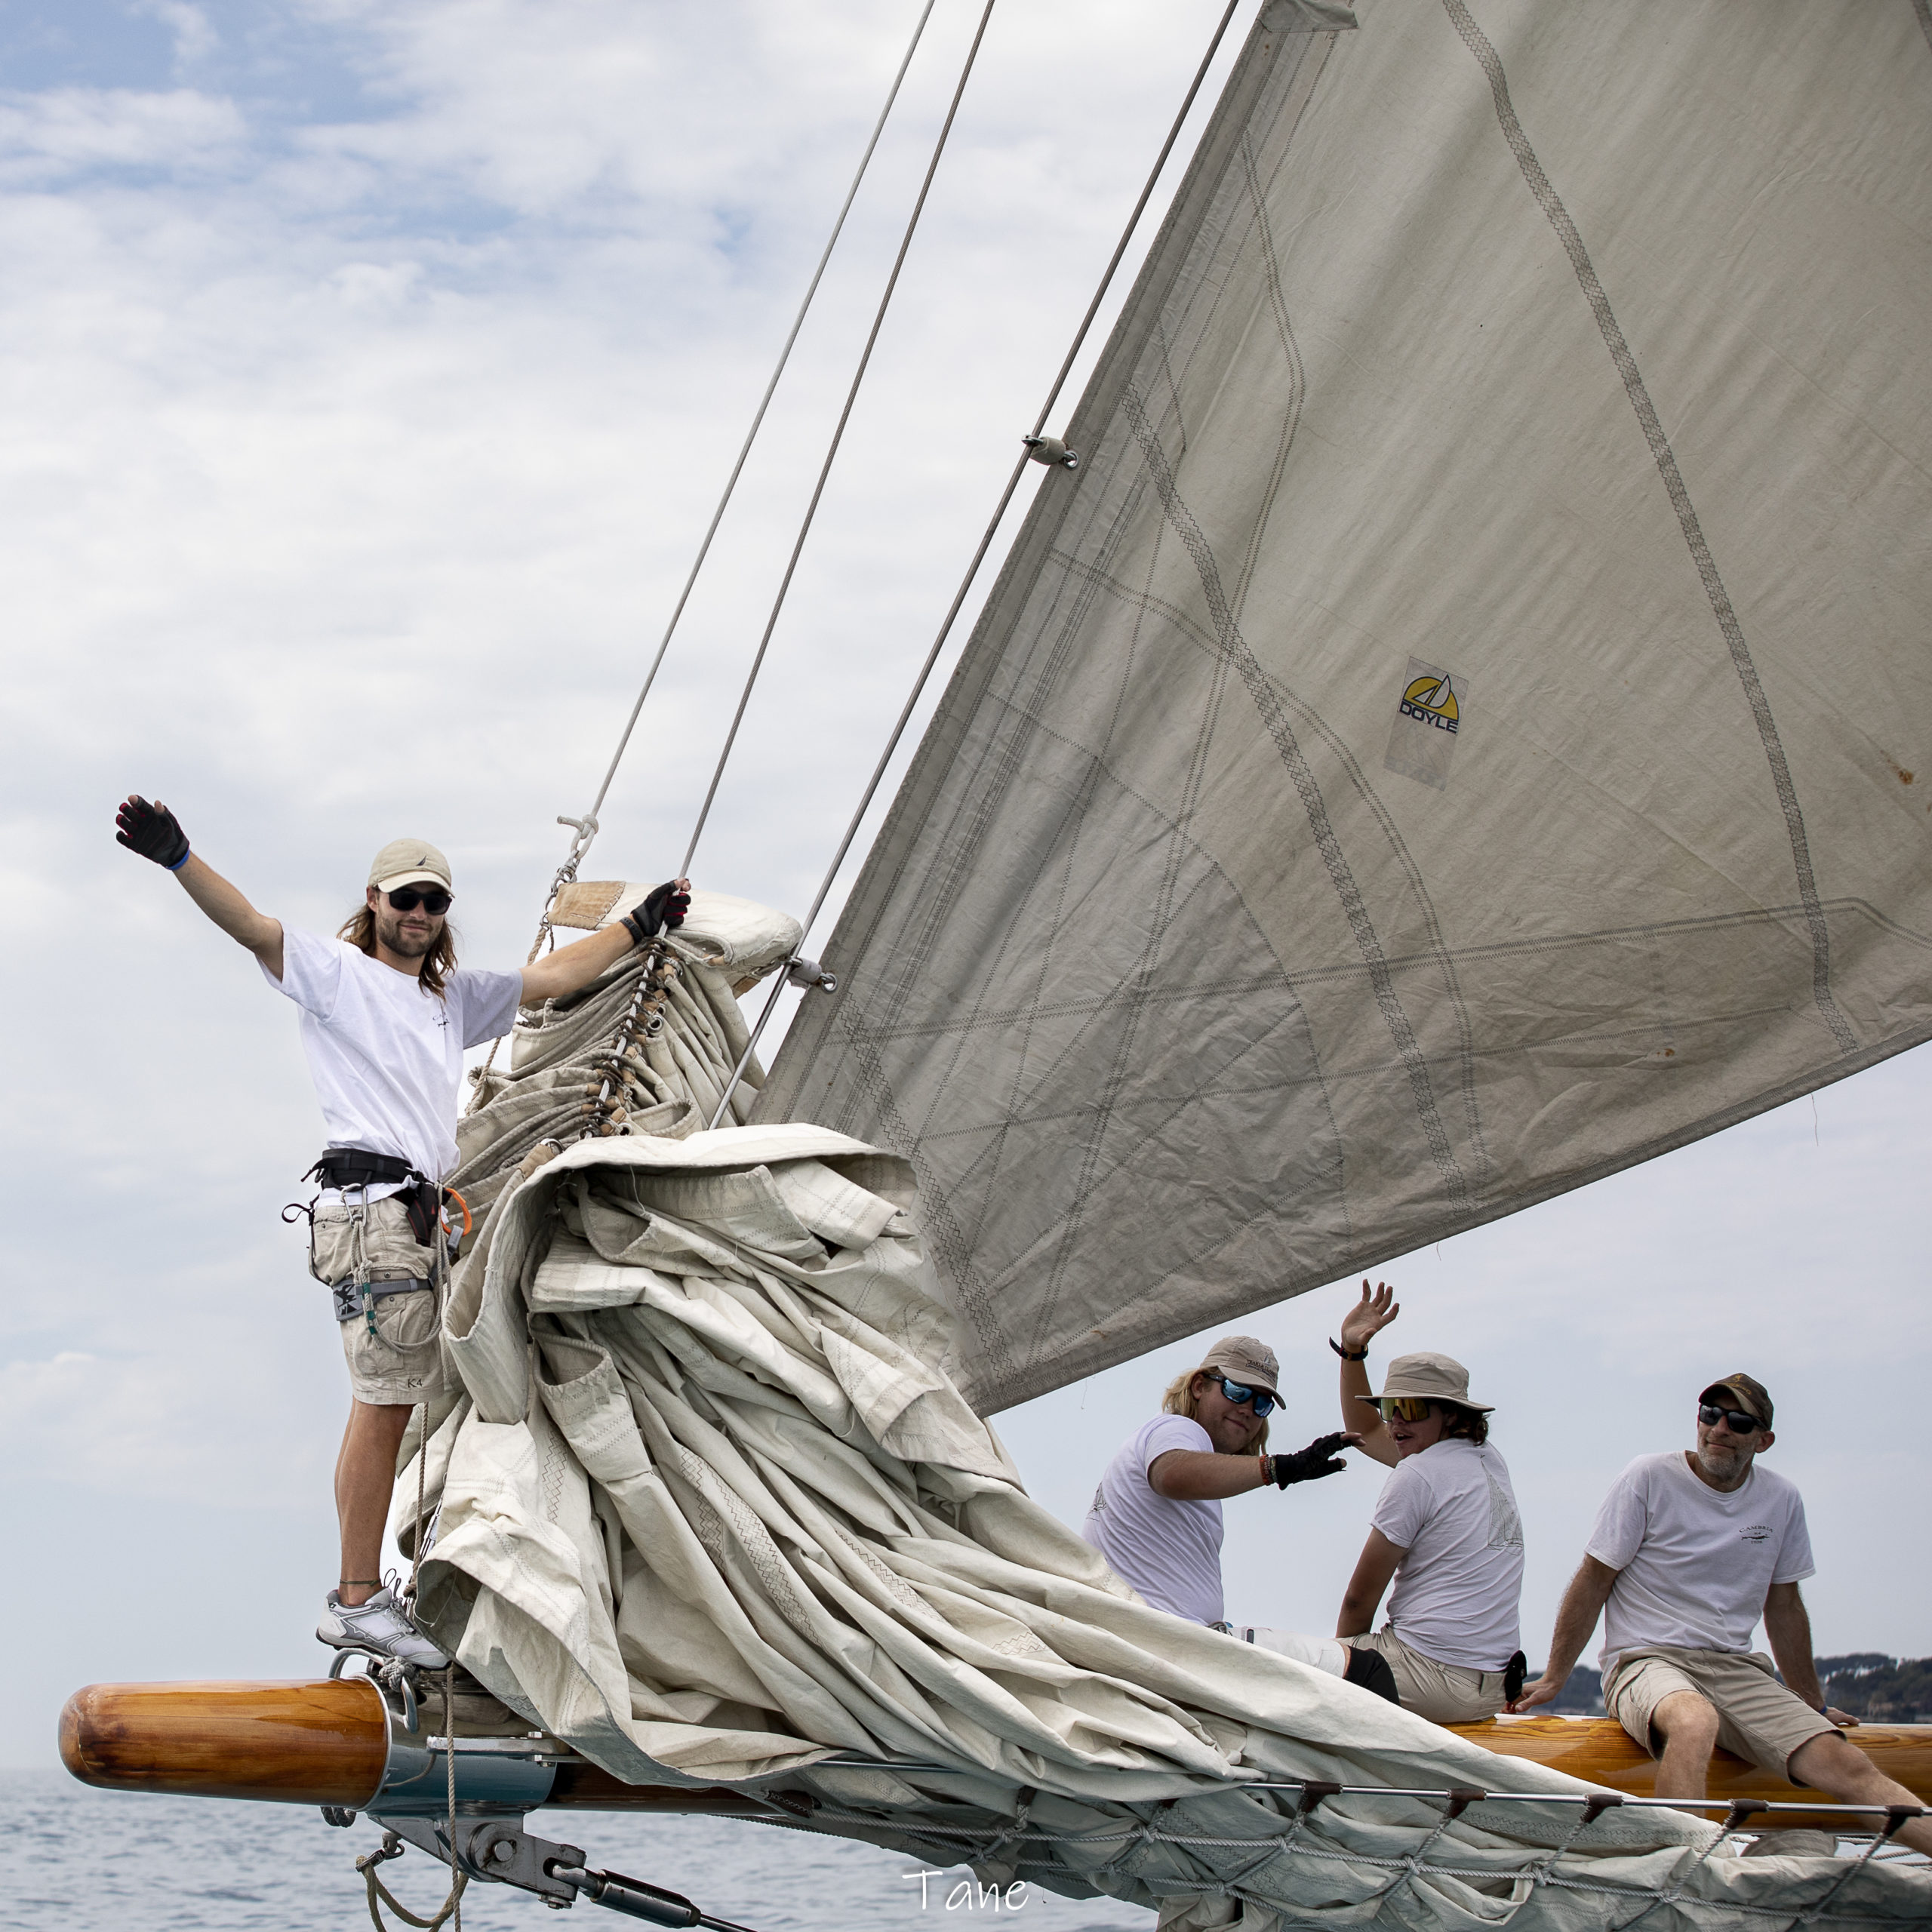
(1471,1425)
(1179,1401)
(359,929)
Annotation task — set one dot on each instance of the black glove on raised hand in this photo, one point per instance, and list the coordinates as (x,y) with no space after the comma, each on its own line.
(663,910)
(153,831)
(1310,1465)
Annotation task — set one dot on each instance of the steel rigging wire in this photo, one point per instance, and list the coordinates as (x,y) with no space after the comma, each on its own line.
(1033,441)
(585,828)
(838,437)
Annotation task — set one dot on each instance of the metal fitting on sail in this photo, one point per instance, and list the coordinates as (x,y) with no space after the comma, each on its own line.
(1051,450)
(807,973)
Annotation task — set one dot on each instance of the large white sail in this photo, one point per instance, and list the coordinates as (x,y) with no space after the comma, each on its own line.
(1466,726)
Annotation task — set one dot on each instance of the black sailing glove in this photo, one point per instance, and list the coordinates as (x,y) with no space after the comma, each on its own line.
(1310,1465)
(153,831)
(663,910)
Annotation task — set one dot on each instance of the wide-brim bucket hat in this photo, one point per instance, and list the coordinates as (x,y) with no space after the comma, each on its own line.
(1428,1377)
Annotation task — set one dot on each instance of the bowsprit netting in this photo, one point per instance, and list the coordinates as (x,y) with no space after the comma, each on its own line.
(708,1513)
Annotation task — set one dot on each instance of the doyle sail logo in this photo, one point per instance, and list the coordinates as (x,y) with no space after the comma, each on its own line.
(1430,713)
(1431,698)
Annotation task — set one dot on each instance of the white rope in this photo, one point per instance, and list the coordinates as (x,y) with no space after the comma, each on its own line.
(980,555)
(838,437)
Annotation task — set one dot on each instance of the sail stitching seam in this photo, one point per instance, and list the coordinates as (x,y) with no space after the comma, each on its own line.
(1634,387)
(1328,844)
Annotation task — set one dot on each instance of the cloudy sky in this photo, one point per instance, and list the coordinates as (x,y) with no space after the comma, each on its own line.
(367,373)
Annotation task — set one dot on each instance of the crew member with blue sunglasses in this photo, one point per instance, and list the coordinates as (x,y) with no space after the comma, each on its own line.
(1156,1516)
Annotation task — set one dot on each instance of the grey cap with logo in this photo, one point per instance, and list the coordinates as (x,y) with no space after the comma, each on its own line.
(409,862)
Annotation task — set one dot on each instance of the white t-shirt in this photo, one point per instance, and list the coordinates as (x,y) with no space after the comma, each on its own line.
(1695,1564)
(386,1055)
(1169,1552)
(1451,1507)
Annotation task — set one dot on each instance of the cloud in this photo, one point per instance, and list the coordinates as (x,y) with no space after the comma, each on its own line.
(45,137)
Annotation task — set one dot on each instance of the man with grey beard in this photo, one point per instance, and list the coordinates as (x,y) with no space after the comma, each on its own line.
(1690,1548)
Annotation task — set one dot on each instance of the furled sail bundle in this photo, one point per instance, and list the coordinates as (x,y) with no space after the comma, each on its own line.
(707,1514)
(1463,728)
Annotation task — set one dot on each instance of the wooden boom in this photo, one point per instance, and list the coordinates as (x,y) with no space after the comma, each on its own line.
(329,1743)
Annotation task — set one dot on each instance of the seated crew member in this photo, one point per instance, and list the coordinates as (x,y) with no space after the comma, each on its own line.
(1690,1548)
(1156,1516)
(1445,1529)
(387,1014)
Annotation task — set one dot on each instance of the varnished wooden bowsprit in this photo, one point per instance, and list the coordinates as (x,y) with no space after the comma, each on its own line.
(320,1743)
(1600,1751)
(327,1742)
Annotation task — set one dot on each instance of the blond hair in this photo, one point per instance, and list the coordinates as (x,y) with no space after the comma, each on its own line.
(1180,1400)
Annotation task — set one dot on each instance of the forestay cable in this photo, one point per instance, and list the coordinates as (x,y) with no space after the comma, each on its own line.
(780,980)
(585,828)
(837,436)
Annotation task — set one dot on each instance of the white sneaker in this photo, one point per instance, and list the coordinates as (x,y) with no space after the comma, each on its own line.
(378,1626)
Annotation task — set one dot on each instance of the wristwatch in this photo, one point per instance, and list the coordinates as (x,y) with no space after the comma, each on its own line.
(1347,1355)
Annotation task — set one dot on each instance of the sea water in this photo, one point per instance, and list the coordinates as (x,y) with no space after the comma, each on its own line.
(72,1859)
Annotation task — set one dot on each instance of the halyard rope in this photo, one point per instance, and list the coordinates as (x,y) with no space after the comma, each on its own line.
(586,827)
(837,436)
(979,558)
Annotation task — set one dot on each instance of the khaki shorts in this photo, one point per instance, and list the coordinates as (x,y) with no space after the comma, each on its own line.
(402,1361)
(1757,1718)
(1443,1692)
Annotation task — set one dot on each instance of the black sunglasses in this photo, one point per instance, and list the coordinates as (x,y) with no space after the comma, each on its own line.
(406,898)
(1238,1392)
(1736,1420)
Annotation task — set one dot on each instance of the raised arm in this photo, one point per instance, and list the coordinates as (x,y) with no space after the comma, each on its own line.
(1374,1568)
(155,832)
(1582,1604)
(571,967)
(1369,1316)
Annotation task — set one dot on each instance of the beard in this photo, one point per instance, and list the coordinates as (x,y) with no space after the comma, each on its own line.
(1722,1463)
(405,945)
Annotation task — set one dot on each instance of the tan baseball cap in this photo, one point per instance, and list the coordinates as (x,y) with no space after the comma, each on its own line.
(1427,1377)
(409,862)
(1242,1359)
(1745,1391)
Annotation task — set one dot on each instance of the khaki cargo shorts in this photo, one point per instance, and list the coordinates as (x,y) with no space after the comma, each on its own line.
(1443,1692)
(402,1361)
(1757,1718)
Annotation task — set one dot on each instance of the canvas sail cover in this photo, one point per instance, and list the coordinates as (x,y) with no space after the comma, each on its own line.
(1465,727)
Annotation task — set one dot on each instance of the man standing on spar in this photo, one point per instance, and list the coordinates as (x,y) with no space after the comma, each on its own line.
(387,1015)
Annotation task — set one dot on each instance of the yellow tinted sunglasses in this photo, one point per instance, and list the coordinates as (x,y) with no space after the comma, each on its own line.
(1404,1408)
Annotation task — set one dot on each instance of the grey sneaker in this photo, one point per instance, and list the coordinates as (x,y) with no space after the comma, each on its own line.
(380,1627)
